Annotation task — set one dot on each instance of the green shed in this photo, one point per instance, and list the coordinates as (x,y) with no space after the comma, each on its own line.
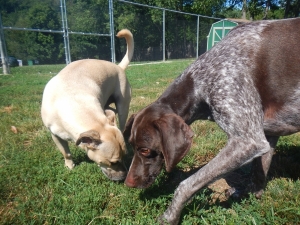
(218,30)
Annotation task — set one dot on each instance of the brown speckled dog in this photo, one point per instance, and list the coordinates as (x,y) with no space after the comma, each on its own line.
(249,84)
(75,107)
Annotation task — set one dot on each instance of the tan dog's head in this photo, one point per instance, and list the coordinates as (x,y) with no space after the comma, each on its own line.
(106,149)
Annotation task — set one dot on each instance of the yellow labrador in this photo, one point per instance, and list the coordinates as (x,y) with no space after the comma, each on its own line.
(75,107)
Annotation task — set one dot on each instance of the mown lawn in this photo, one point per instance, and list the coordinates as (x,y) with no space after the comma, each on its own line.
(36,188)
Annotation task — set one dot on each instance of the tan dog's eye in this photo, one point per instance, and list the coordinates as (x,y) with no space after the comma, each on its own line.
(145,151)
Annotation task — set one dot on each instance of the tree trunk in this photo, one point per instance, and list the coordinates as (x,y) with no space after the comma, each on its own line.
(287,8)
(297,8)
(245,9)
(268,4)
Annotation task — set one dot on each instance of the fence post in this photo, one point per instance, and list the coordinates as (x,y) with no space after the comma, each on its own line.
(65,30)
(112,31)
(3,51)
(223,29)
(164,35)
(197,50)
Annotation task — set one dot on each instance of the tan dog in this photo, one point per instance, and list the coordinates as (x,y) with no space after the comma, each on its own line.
(75,107)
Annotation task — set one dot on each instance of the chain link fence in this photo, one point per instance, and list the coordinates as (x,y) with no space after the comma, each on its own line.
(85,31)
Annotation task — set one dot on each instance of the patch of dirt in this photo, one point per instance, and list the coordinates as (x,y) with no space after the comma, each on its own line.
(235,179)
(7,109)
(219,188)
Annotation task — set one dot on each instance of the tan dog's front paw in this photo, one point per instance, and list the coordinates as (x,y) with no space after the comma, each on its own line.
(69,163)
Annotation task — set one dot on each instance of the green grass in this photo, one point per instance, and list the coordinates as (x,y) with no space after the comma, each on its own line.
(36,188)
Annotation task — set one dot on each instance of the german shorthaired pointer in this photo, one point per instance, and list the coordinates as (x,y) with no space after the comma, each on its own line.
(249,84)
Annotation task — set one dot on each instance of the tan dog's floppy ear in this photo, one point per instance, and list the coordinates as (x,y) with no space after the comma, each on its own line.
(111,116)
(90,138)
(176,138)
(128,126)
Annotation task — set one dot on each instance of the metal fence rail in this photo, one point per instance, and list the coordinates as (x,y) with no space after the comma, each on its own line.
(164,22)
(159,51)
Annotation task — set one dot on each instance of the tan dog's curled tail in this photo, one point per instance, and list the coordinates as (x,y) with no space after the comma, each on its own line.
(124,33)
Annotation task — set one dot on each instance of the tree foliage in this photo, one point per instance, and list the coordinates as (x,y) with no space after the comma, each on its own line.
(91,16)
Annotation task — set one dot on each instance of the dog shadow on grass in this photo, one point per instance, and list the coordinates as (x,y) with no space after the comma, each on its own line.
(79,155)
(285,163)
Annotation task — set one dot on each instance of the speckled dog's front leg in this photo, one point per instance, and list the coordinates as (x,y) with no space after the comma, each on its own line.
(237,152)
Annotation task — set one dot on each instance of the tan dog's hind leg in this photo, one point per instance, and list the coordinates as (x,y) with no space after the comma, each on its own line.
(122,107)
(64,149)
(122,114)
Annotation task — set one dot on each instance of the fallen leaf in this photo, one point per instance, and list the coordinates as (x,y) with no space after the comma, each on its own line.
(14,129)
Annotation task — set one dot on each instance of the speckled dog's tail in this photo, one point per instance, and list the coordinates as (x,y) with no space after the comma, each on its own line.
(130,47)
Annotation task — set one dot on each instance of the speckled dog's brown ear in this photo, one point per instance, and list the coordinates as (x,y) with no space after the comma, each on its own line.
(176,139)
